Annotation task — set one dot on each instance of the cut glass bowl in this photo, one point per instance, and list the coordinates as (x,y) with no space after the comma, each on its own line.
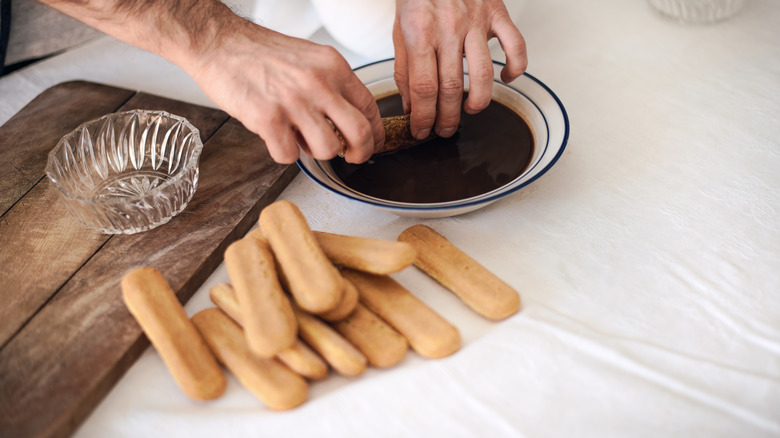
(127,172)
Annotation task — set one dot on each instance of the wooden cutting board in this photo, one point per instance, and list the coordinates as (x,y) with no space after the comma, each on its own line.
(65,335)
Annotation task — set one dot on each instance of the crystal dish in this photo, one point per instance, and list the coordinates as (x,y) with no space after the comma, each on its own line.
(127,172)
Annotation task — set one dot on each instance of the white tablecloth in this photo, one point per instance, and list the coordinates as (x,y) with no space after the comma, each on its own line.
(648,258)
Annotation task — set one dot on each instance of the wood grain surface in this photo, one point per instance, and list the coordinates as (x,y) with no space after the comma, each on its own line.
(65,334)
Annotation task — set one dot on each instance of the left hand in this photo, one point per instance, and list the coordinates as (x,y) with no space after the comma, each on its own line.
(430,39)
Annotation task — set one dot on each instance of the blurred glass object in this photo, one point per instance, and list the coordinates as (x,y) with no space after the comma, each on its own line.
(698,11)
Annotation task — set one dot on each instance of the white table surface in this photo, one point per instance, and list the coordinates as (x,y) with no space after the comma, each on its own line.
(648,258)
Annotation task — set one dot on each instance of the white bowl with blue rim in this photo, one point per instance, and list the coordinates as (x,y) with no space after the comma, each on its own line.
(527,96)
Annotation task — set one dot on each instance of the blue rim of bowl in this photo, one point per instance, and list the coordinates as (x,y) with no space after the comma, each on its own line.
(411,207)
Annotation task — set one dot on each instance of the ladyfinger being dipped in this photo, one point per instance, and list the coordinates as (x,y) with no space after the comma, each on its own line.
(337,351)
(479,288)
(382,345)
(273,383)
(266,313)
(428,333)
(152,302)
(313,280)
(370,255)
(300,358)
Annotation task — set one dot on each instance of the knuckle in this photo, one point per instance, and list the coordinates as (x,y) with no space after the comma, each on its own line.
(400,77)
(451,88)
(283,154)
(416,26)
(328,148)
(479,103)
(425,89)
(364,134)
(328,55)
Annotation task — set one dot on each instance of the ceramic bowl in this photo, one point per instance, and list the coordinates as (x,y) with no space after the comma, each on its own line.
(527,96)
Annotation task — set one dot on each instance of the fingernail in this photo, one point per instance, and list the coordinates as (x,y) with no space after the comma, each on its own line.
(446,132)
(423,133)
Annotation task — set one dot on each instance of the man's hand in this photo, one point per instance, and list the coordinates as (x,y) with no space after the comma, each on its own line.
(284,89)
(430,38)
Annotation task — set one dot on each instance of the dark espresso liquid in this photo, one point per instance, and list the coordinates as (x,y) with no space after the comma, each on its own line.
(489,150)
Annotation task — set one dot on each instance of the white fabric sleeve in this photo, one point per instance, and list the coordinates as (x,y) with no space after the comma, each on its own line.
(364,27)
(295,18)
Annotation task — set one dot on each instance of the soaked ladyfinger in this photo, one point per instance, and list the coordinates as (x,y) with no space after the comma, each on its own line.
(479,288)
(266,313)
(273,383)
(313,280)
(429,334)
(337,351)
(300,358)
(382,345)
(370,255)
(154,305)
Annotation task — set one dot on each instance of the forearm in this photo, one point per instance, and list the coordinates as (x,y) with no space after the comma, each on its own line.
(284,89)
(182,31)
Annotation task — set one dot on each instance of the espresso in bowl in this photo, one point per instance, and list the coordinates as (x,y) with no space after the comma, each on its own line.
(505,147)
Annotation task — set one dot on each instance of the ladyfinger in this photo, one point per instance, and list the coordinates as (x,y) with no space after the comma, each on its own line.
(337,351)
(370,255)
(273,383)
(224,296)
(349,300)
(300,358)
(313,280)
(382,345)
(152,302)
(479,288)
(428,333)
(349,297)
(256,233)
(269,322)
(304,361)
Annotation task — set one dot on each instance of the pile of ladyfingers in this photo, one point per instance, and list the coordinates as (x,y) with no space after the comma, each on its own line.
(302,302)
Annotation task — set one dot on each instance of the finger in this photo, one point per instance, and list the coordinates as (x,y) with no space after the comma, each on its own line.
(423,90)
(450,98)
(480,72)
(301,142)
(357,133)
(278,134)
(361,106)
(282,145)
(319,139)
(513,44)
(401,67)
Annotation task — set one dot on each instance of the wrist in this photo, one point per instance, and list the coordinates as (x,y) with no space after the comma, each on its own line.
(180,31)
(191,39)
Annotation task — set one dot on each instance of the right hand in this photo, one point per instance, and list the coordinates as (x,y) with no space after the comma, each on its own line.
(285,90)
